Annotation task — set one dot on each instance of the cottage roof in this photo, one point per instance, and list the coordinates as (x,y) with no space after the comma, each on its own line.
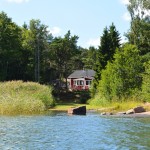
(82,74)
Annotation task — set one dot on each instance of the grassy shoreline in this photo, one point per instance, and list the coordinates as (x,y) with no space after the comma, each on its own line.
(66,100)
(18,97)
(113,107)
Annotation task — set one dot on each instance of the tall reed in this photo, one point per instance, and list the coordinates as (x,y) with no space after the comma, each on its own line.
(122,104)
(18,97)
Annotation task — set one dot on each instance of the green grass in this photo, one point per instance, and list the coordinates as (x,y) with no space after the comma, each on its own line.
(123,104)
(17,97)
(65,106)
(99,103)
(109,107)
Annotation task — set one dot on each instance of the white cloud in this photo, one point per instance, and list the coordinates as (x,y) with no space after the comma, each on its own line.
(55,31)
(126,16)
(125,2)
(93,42)
(123,40)
(17,1)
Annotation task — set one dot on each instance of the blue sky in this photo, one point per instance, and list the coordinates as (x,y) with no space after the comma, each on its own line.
(84,18)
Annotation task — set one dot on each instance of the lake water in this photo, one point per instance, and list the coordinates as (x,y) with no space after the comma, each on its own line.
(59,131)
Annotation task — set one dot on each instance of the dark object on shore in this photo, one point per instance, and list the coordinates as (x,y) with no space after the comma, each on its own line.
(77,111)
(139,109)
(135,110)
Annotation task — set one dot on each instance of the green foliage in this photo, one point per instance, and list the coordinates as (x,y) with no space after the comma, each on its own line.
(110,40)
(89,58)
(10,49)
(122,78)
(36,40)
(17,97)
(84,96)
(107,82)
(63,51)
(99,100)
(9,33)
(146,83)
(105,106)
(139,33)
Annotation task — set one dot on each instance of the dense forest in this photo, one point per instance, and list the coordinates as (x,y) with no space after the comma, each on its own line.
(30,53)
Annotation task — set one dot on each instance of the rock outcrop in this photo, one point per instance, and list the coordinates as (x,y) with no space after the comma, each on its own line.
(139,109)
(136,110)
(77,111)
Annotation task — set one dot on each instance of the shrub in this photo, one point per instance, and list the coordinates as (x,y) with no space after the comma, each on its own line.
(99,100)
(84,96)
(123,76)
(24,97)
(146,83)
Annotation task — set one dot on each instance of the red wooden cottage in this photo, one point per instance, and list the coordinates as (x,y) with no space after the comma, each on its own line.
(80,79)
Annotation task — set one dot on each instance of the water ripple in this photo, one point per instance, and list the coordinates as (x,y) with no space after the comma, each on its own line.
(63,132)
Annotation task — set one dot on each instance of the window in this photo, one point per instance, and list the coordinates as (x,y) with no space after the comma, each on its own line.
(74,82)
(88,82)
(80,82)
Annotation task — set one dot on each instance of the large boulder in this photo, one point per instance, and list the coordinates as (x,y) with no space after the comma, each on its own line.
(139,109)
(77,111)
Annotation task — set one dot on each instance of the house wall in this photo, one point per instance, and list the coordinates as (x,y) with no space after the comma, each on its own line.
(79,87)
(70,86)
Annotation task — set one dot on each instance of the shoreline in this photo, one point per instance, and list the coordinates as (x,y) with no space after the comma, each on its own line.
(117,114)
(135,115)
(120,109)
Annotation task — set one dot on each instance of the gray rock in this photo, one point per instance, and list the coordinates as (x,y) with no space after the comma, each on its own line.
(77,111)
(139,109)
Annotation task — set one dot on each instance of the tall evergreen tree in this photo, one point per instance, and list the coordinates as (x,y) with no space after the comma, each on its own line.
(109,41)
(114,40)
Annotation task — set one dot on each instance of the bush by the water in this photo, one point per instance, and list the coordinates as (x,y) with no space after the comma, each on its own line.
(115,105)
(146,83)
(122,77)
(17,97)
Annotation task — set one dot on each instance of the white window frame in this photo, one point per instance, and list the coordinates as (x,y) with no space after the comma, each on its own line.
(89,82)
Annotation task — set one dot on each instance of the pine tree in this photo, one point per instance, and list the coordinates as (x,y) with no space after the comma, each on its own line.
(110,41)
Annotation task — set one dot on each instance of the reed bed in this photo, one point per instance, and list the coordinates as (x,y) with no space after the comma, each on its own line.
(18,97)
